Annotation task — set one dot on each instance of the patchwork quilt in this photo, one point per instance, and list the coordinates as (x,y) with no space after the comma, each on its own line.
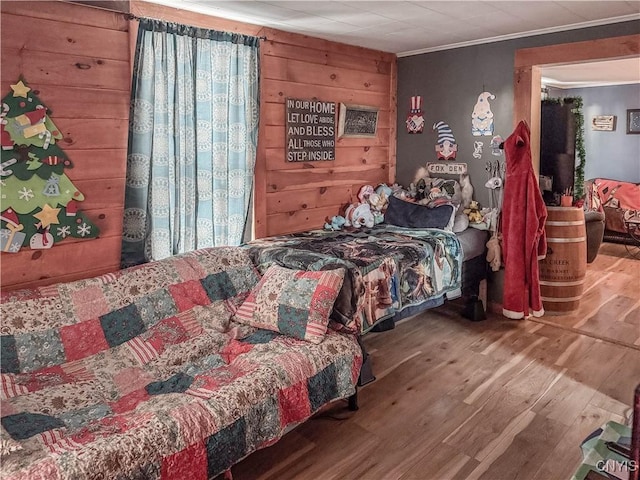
(389,268)
(145,374)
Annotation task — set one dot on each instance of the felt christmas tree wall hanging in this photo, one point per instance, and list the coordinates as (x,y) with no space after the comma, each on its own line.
(38,202)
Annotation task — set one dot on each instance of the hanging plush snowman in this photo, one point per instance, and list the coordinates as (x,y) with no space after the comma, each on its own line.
(415,120)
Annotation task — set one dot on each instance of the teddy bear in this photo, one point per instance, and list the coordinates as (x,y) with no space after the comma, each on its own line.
(473,212)
(494,252)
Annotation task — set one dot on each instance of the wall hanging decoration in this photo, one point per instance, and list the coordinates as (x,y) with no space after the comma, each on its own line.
(482,116)
(311,130)
(38,203)
(604,123)
(446,168)
(446,148)
(359,121)
(477,149)
(496,148)
(633,120)
(415,119)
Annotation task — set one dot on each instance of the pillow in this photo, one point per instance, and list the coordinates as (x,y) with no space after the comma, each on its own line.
(460,223)
(448,188)
(296,303)
(413,215)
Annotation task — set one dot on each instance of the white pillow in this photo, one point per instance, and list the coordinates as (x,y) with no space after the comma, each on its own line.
(449,226)
(460,223)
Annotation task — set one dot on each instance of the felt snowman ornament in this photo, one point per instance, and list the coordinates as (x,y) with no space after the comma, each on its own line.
(415,119)
(42,239)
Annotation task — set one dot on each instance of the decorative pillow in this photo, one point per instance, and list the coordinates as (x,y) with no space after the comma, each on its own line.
(292,302)
(441,187)
(460,223)
(413,215)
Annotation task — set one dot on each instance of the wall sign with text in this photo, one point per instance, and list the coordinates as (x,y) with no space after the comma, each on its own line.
(449,168)
(311,130)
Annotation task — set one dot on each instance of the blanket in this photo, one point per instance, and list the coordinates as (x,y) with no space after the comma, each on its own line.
(389,268)
(145,374)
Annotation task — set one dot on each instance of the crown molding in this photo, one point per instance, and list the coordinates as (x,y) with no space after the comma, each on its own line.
(529,33)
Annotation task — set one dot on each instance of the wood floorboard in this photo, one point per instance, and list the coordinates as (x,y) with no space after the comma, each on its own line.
(565,457)
(492,400)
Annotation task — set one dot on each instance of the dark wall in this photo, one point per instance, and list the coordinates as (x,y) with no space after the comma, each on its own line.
(450,82)
(613,154)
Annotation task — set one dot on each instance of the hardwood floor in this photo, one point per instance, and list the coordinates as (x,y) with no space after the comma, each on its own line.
(610,305)
(495,400)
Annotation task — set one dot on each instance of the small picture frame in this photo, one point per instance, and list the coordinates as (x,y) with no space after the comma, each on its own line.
(358,121)
(603,123)
(633,120)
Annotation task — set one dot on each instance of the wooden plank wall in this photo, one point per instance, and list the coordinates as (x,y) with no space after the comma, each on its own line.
(78,59)
(53,43)
(300,196)
(292,197)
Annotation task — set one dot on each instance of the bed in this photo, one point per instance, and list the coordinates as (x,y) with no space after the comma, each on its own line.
(392,272)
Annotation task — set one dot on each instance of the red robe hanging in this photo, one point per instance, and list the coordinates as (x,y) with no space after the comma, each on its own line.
(523,237)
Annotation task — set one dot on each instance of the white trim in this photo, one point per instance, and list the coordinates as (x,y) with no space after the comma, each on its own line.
(568,85)
(453,294)
(553,223)
(530,33)
(566,240)
(542,257)
(562,284)
(538,313)
(511,314)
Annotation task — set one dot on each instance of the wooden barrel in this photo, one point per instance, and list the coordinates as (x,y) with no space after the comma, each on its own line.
(563,271)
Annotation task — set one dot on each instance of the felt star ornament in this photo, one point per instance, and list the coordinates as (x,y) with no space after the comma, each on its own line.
(47,215)
(20,89)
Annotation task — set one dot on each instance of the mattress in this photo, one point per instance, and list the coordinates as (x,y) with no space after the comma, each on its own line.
(473,242)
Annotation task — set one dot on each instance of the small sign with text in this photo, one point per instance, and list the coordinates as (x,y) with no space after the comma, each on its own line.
(447,168)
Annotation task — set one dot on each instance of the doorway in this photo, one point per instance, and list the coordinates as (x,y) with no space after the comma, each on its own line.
(528,66)
(608,277)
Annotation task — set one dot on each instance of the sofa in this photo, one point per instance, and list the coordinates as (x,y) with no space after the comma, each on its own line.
(594,222)
(148,373)
(615,199)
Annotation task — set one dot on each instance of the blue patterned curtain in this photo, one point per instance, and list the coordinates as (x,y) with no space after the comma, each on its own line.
(192,140)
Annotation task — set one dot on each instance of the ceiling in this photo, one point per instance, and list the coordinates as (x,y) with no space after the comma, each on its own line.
(412,27)
(593,74)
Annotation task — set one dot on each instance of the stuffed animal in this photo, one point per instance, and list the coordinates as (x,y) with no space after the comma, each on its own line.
(337,223)
(359,215)
(473,212)
(494,252)
(422,172)
(364,193)
(383,188)
(378,203)
(421,189)
(467,190)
